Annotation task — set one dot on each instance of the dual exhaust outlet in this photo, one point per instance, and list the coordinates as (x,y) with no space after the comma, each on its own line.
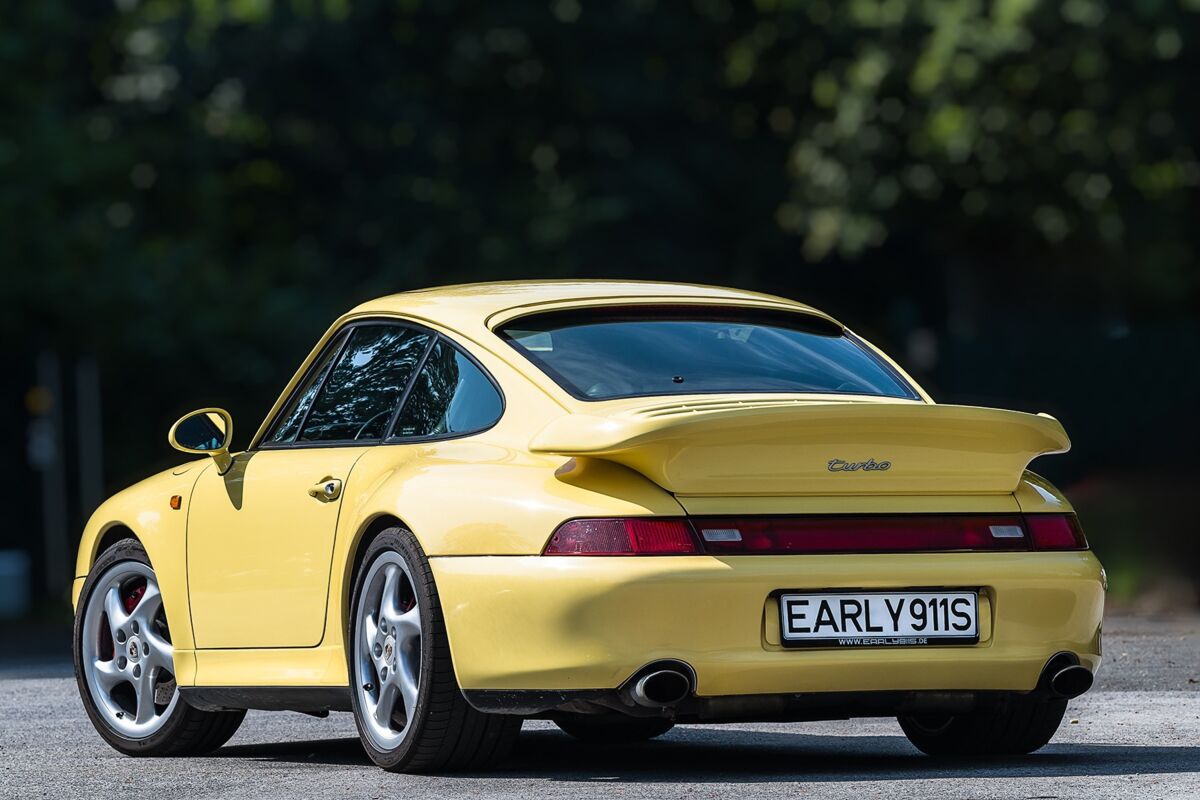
(666,686)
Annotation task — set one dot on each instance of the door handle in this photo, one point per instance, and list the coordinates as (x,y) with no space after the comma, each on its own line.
(326,490)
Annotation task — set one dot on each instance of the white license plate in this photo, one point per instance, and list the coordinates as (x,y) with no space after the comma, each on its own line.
(879,619)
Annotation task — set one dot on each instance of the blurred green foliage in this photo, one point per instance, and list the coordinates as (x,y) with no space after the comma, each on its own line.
(193,189)
(257,156)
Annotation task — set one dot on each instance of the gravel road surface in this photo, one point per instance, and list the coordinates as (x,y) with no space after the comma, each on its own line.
(1137,734)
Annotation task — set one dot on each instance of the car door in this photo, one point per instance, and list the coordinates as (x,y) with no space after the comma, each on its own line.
(260,537)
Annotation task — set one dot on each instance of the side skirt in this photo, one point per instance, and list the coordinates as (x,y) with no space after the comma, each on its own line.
(319,700)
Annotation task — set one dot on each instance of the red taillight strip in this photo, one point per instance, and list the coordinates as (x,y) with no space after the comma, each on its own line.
(861,534)
(909,533)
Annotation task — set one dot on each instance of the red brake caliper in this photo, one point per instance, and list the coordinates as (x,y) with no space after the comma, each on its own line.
(129,599)
(133,597)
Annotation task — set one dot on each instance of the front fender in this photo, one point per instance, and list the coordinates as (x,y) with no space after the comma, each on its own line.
(145,510)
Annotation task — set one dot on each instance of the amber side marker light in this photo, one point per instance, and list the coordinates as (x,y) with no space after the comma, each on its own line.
(176,501)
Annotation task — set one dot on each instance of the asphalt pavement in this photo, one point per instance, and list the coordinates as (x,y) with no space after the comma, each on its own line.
(1135,735)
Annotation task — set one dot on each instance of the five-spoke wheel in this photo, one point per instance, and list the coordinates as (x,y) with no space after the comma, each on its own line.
(125,663)
(388,645)
(127,655)
(411,714)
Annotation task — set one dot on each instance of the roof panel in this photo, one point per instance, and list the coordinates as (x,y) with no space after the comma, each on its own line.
(469,306)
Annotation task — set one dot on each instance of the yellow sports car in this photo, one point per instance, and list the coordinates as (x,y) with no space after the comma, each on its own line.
(620,506)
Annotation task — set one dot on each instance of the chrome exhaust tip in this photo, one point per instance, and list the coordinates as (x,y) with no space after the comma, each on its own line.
(661,688)
(1070,682)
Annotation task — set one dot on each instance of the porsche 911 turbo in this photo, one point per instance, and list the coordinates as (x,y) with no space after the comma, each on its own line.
(620,506)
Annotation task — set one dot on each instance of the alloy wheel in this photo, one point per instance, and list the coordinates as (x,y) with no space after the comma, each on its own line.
(127,656)
(387,647)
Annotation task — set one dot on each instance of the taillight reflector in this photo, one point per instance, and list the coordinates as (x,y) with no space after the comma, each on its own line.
(622,537)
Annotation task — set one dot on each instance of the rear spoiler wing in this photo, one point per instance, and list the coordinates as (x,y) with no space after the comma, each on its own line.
(814,448)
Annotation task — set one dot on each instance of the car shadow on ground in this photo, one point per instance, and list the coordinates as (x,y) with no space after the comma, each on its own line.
(742,756)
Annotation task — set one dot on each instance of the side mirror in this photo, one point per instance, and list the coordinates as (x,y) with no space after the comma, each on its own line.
(205,432)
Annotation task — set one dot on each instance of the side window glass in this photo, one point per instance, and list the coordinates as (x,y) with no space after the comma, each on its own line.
(289,421)
(450,396)
(358,400)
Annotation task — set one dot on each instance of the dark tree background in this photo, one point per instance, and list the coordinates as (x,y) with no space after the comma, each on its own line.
(1004,194)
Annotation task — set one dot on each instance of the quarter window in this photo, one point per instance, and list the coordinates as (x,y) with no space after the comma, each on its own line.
(360,395)
(450,396)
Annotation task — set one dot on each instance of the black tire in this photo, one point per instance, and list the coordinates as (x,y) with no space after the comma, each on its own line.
(447,734)
(612,728)
(188,730)
(1020,726)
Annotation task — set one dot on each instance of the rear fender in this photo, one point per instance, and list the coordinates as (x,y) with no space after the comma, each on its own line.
(1037,495)
(482,499)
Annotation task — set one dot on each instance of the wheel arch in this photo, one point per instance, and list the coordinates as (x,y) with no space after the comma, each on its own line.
(109,535)
(366,533)
(104,531)
(99,536)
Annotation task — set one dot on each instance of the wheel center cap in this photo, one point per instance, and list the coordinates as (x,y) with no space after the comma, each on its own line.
(389,649)
(134,649)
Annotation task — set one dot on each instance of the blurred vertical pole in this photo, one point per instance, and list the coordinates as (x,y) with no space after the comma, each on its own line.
(90,452)
(46,455)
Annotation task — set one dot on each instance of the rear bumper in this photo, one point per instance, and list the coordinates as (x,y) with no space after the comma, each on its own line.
(565,624)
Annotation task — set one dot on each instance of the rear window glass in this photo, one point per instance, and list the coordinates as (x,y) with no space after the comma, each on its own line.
(606,353)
